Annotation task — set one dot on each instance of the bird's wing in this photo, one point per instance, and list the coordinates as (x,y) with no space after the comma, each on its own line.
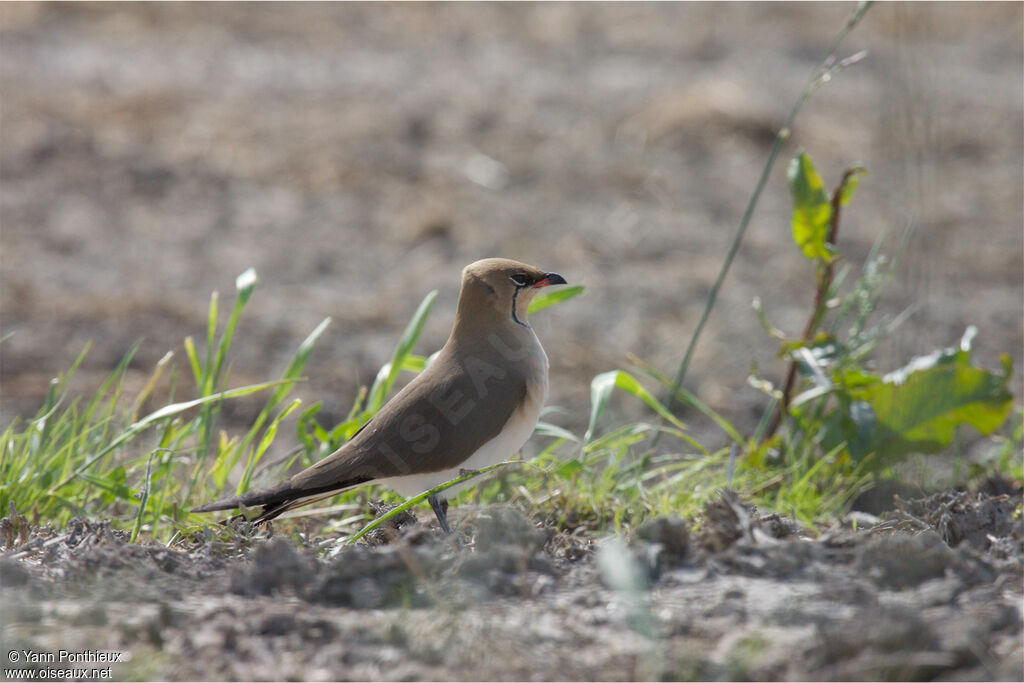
(435,423)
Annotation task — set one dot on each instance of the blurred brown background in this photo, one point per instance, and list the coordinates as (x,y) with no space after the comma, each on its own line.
(359,155)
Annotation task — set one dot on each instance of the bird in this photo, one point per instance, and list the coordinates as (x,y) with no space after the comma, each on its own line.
(474,405)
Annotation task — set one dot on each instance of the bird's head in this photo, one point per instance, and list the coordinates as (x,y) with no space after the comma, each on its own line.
(500,290)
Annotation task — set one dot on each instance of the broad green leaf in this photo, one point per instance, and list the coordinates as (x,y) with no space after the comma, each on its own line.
(918,408)
(550,297)
(811,209)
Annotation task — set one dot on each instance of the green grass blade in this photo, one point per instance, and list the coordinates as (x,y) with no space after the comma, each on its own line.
(166,411)
(244,284)
(206,387)
(548,429)
(144,500)
(549,297)
(385,381)
(600,391)
(687,398)
(193,361)
(268,438)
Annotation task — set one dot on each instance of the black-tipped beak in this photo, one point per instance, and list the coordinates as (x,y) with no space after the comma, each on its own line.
(550,279)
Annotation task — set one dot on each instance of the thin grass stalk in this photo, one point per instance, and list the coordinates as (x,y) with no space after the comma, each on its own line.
(144,499)
(821,71)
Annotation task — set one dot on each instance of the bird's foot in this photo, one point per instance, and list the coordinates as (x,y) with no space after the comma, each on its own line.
(440,508)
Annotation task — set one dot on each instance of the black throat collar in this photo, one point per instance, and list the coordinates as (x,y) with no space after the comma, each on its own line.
(515,297)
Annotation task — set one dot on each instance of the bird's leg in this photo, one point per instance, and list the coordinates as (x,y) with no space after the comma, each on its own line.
(440,508)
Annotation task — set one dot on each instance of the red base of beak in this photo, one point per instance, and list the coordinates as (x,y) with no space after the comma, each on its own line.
(550,279)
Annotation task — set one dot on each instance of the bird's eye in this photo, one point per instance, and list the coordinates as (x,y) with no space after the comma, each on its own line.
(519,280)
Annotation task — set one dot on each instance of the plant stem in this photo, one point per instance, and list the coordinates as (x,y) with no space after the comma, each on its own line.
(826,272)
(823,68)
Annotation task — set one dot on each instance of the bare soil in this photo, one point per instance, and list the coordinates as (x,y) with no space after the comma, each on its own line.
(931,591)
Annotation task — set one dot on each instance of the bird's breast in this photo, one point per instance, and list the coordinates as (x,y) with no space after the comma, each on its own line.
(536,382)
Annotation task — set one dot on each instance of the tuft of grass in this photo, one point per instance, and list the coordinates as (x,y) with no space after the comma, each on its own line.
(94,457)
(99,458)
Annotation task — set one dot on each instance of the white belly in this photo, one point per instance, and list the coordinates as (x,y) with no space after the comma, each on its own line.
(499,449)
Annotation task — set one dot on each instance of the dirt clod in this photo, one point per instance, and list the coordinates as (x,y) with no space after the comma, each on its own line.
(960,517)
(901,561)
(274,567)
(886,602)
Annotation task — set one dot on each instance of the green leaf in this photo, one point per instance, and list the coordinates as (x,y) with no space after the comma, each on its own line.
(600,391)
(306,427)
(414,363)
(569,468)
(245,284)
(143,497)
(344,431)
(850,181)
(268,438)
(548,429)
(212,315)
(811,209)
(918,408)
(601,388)
(116,488)
(550,297)
(193,360)
(167,411)
(684,396)
(623,437)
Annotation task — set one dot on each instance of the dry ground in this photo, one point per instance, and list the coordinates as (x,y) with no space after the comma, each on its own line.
(933,592)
